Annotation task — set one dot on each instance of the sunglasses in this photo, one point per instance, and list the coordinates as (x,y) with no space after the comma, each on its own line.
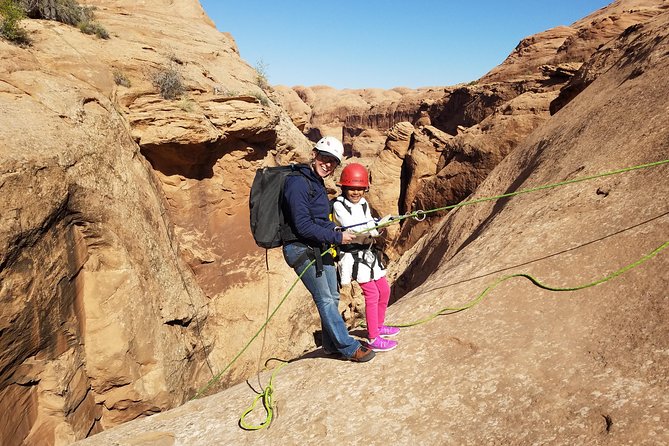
(326,157)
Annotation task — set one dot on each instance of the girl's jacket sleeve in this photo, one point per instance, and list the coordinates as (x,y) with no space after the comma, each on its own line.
(310,216)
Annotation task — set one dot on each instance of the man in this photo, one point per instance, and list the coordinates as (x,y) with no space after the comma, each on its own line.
(308,234)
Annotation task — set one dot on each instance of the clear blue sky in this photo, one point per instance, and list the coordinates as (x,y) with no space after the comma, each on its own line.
(385,43)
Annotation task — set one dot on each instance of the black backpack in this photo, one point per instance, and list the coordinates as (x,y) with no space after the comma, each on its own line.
(267,221)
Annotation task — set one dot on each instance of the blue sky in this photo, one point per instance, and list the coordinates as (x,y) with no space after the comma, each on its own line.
(385,43)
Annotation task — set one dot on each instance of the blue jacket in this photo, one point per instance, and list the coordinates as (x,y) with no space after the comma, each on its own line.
(306,208)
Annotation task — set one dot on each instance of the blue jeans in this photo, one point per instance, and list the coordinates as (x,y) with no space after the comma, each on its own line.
(324,291)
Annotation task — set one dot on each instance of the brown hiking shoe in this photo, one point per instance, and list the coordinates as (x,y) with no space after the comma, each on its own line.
(362,354)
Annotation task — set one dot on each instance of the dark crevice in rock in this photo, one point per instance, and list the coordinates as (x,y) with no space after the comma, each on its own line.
(25,239)
(609,422)
(185,322)
(197,161)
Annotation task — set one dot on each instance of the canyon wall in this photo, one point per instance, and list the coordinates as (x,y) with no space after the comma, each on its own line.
(128,276)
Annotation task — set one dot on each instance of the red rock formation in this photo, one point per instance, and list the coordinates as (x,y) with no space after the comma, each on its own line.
(525,365)
(127,273)
(122,279)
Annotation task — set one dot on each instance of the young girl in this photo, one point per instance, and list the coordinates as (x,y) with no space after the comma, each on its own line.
(360,261)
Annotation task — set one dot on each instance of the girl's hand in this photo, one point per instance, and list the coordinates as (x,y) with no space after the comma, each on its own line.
(364,239)
(384,220)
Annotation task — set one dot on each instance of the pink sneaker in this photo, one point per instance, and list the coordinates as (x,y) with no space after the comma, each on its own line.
(381,345)
(386,331)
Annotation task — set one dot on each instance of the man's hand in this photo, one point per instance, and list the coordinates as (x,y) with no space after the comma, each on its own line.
(347,237)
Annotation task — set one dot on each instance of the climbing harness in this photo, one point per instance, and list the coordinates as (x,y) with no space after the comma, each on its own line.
(266,395)
(367,254)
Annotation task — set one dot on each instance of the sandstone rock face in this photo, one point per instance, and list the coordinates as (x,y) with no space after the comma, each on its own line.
(129,280)
(124,223)
(525,365)
(347,113)
(89,275)
(575,43)
(624,19)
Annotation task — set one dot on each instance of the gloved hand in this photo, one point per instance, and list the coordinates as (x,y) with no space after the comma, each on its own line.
(384,220)
(363,239)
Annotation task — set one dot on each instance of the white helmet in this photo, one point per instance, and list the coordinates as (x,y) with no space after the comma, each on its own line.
(332,146)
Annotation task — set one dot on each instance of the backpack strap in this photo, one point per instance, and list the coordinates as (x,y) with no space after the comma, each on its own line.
(298,172)
(347,207)
(287,234)
(343,203)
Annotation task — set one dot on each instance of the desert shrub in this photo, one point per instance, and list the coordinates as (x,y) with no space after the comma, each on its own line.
(93,28)
(261,76)
(121,79)
(261,97)
(169,82)
(65,11)
(11,15)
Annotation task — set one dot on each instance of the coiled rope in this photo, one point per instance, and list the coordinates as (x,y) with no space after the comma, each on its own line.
(266,395)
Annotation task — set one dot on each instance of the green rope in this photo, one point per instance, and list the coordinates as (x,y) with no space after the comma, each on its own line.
(489,288)
(266,395)
(217,377)
(268,403)
(421,214)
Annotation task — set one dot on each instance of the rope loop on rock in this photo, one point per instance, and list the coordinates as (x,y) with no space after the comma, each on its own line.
(268,403)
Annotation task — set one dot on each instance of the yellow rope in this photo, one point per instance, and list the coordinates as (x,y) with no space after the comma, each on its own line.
(217,377)
(268,404)
(266,395)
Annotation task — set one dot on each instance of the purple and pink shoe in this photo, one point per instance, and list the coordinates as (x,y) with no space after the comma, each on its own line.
(381,344)
(387,331)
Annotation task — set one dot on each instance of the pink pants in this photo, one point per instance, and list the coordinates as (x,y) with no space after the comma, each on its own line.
(377,294)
